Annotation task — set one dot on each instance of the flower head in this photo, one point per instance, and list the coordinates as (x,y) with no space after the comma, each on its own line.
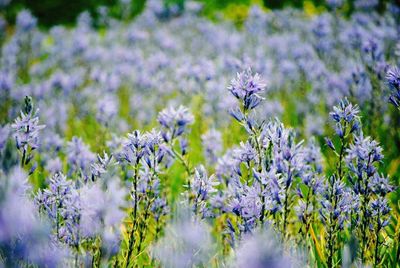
(246,87)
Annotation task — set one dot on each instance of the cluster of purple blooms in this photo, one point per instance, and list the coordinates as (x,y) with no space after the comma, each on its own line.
(102,197)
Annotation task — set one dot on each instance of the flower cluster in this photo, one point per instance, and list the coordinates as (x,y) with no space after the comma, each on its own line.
(156,171)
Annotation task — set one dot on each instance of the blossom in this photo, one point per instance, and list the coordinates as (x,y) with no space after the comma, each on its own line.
(134,147)
(24,237)
(393,79)
(262,249)
(26,128)
(25,21)
(174,121)
(79,155)
(203,184)
(212,144)
(246,88)
(187,243)
(345,111)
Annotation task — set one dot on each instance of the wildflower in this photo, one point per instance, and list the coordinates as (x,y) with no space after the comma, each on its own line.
(202,184)
(393,79)
(212,144)
(246,88)
(26,128)
(79,155)
(24,237)
(25,21)
(187,243)
(261,249)
(345,112)
(174,121)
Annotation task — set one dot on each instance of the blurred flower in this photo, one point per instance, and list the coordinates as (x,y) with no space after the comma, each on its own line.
(262,250)
(187,243)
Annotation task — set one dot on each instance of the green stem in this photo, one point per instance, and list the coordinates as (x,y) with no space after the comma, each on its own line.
(134,217)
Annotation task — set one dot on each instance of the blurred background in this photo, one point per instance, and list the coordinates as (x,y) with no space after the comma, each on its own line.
(53,12)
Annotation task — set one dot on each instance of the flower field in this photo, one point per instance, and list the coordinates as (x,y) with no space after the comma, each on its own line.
(173,140)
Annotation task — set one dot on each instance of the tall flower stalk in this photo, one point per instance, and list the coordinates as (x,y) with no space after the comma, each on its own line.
(26,128)
(335,199)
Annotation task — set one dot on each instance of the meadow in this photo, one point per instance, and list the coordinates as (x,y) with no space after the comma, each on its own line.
(173,140)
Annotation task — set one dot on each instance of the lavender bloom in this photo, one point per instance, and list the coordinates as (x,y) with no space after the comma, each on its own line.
(380,185)
(174,122)
(25,21)
(187,243)
(107,109)
(79,155)
(251,203)
(340,208)
(393,79)
(202,187)
(362,155)
(54,165)
(27,128)
(102,165)
(24,237)
(159,208)
(261,249)
(246,88)
(346,117)
(202,184)
(245,153)
(53,200)
(212,143)
(70,231)
(246,84)
(379,207)
(155,150)
(134,147)
(101,213)
(345,112)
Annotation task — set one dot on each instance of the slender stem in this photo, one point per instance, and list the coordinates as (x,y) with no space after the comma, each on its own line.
(57,213)
(285,210)
(182,160)
(134,216)
(23,158)
(378,229)
(143,226)
(186,165)
(334,200)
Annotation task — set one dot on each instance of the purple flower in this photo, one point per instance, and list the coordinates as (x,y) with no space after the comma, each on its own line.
(393,79)
(212,144)
(174,121)
(24,237)
(79,155)
(26,128)
(134,147)
(345,111)
(187,243)
(245,153)
(246,84)
(25,21)
(202,184)
(261,250)
(246,88)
